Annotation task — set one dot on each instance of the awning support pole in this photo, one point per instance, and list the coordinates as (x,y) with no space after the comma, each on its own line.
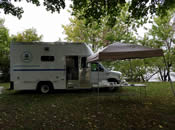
(171,83)
(98,88)
(131,72)
(98,80)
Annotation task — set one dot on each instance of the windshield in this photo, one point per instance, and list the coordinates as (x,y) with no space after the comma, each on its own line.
(102,66)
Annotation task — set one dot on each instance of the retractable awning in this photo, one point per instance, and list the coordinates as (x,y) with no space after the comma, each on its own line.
(121,51)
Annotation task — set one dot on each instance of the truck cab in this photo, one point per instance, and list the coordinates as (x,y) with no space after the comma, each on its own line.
(99,73)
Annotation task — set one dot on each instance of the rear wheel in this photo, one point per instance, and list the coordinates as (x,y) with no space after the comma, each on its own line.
(44,88)
(112,89)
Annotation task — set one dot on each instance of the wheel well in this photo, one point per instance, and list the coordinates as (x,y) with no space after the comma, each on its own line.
(45,82)
(113,80)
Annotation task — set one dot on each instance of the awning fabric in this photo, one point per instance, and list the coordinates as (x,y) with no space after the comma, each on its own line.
(121,51)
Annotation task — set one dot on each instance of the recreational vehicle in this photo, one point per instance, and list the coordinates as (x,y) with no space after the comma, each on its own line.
(46,66)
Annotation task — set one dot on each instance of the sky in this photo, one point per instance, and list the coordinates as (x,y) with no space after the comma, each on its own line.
(46,23)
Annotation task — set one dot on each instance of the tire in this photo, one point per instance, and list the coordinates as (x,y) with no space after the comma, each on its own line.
(113,89)
(45,88)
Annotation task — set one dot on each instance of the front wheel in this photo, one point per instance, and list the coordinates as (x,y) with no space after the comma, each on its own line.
(112,89)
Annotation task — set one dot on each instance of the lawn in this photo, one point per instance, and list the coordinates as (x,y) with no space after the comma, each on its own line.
(75,110)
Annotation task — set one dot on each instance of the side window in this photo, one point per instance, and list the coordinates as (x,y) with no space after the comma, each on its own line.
(83,62)
(96,67)
(47,58)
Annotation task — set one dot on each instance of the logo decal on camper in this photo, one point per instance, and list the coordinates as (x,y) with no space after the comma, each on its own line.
(27,56)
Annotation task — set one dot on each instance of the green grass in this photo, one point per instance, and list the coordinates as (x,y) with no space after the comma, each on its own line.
(76,110)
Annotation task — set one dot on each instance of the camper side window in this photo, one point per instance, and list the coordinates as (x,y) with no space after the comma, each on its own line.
(47,58)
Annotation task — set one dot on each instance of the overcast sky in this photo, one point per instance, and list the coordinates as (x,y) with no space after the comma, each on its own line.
(46,23)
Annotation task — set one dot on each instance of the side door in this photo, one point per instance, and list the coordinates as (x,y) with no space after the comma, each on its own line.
(72,71)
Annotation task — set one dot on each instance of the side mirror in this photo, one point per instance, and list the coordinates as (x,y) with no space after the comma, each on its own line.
(109,69)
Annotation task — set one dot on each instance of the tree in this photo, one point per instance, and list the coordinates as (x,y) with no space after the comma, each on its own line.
(97,35)
(77,31)
(100,34)
(96,9)
(162,35)
(4,51)
(28,35)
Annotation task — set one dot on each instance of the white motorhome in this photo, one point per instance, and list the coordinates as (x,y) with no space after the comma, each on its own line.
(46,66)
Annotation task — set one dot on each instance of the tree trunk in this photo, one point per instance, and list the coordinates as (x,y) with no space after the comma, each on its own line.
(160,72)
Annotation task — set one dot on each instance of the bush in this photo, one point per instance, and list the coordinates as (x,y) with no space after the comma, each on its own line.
(5,68)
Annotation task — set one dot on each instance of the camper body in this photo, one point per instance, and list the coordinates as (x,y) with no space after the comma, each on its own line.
(59,65)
